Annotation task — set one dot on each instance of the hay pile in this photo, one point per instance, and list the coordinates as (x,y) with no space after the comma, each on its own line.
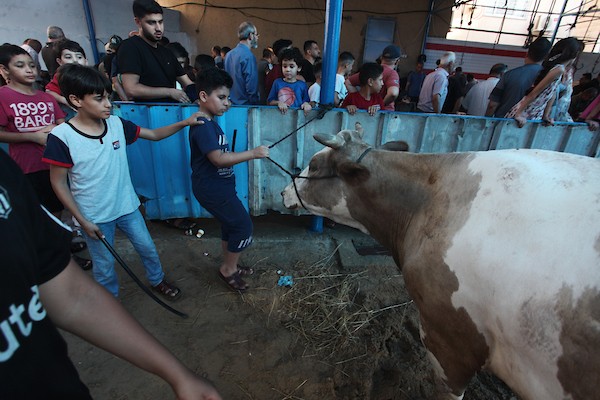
(325,307)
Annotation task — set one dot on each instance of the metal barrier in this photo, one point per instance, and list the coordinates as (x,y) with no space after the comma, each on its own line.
(161,170)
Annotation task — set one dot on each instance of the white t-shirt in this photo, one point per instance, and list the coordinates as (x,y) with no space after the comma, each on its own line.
(98,168)
(314,92)
(340,88)
(476,101)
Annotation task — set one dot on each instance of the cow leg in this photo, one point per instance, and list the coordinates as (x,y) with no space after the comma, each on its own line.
(443,390)
(454,366)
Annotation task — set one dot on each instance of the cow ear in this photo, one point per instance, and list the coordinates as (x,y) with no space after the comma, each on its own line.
(353,173)
(396,145)
(359,129)
(329,140)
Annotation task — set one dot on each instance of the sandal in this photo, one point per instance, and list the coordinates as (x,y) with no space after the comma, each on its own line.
(244,271)
(85,264)
(76,247)
(183,224)
(234,282)
(168,290)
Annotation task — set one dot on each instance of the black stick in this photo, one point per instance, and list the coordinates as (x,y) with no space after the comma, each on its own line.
(233,142)
(138,281)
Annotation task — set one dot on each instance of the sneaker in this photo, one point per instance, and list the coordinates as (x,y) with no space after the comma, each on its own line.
(168,290)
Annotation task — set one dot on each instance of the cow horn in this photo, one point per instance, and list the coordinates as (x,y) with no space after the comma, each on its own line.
(359,129)
(329,140)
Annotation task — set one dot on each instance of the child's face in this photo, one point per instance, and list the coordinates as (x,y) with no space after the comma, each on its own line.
(21,69)
(71,57)
(290,69)
(348,68)
(377,84)
(216,103)
(94,106)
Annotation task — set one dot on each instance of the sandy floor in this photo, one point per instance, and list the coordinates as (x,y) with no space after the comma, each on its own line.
(346,329)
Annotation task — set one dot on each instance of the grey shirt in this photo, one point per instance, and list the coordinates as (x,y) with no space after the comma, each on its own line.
(512,87)
(435,83)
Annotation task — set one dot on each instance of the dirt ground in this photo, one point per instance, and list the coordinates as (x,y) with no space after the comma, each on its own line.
(346,328)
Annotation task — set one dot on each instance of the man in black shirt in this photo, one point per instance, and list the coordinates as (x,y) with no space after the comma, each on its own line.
(149,71)
(311,54)
(41,286)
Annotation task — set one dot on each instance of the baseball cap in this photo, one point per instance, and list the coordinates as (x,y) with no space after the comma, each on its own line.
(114,42)
(391,52)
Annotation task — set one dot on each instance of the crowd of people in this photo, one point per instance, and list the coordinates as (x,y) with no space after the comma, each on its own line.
(67,153)
(541,89)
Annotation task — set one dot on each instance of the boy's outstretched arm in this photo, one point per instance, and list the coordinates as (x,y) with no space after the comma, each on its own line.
(77,304)
(166,131)
(220,159)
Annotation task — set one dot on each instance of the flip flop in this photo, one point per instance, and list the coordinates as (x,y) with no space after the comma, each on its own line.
(244,271)
(76,247)
(168,290)
(234,282)
(183,224)
(85,265)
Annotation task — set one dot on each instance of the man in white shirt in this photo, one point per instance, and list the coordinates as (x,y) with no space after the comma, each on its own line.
(476,100)
(435,86)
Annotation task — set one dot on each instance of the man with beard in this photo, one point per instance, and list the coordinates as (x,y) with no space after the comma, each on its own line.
(149,71)
(240,63)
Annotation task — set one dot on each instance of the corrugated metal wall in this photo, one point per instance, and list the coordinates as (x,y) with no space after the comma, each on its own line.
(161,171)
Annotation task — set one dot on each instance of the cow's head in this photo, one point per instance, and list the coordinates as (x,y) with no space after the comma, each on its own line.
(323,188)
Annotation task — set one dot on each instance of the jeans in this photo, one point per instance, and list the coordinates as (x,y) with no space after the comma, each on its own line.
(134,226)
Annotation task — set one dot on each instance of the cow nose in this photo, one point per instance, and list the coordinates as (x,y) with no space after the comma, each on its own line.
(287,202)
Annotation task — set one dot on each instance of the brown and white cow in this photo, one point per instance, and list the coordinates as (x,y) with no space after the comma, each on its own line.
(500,251)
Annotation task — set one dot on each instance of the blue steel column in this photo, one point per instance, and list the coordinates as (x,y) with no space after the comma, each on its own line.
(91,29)
(333,27)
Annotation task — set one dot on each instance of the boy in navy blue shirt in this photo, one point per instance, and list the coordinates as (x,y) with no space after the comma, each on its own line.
(213,181)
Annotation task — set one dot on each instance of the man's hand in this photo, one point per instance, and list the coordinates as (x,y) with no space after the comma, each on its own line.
(260,152)
(179,96)
(592,125)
